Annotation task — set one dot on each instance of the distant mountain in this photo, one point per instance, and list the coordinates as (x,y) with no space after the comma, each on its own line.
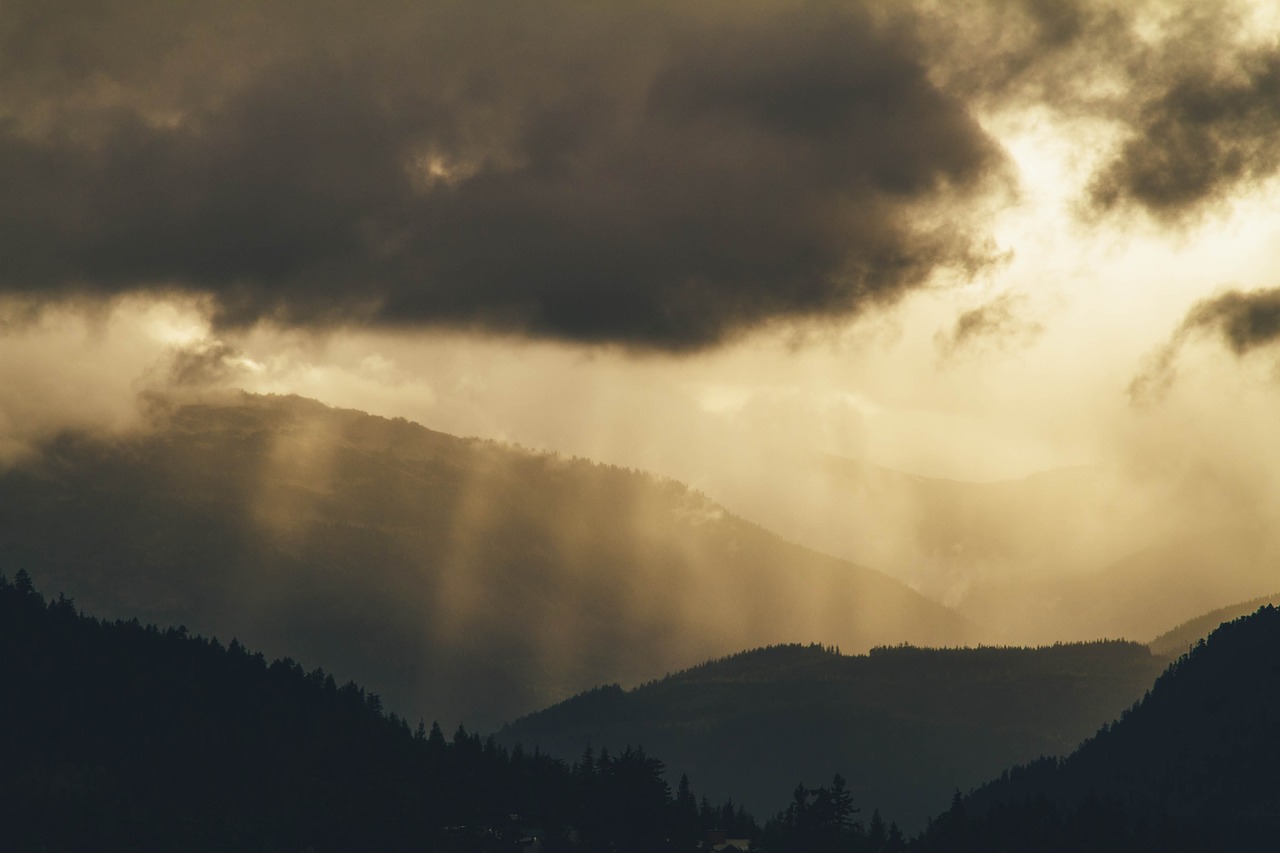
(1066,554)
(1139,595)
(1192,767)
(125,737)
(1179,640)
(460,579)
(906,726)
(937,534)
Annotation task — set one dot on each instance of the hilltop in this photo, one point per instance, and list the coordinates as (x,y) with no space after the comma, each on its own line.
(1191,767)
(905,725)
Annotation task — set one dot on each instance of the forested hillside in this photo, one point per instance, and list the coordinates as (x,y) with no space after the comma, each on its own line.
(119,736)
(458,578)
(1181,639)
(1192,767)
(906,726)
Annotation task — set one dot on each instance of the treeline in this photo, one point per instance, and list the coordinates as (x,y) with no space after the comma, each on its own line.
(824,820)
(116,735)
(120,736)
(1194,766)
(907,725)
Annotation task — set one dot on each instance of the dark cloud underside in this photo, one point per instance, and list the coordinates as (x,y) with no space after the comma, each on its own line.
(657,174)
(653,174)
(1191,89)
(1198,141)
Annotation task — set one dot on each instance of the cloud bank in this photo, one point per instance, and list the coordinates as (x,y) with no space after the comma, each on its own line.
(654,175)
(660,175)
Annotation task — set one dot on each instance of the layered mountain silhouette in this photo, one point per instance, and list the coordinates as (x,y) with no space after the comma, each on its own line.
(1141,594)
(940,534)
(1194,766)
(1180,640)
(906,726)
(119,736)
(460,579)
(1064,554)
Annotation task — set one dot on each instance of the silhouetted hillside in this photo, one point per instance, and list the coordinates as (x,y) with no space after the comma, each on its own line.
(906,726)
(1195,766)
(458,578)
(1182,638)
(124,737)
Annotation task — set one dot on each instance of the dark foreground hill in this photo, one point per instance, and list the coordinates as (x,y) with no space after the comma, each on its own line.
(1181,639)
(1195,766)
(458,578)
(124,737)
(906,726)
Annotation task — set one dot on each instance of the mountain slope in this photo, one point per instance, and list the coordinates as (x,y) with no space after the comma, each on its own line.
(1195,766)
(1139,595)
(457,578)
(1181,639)
(905,726)
(124,737)
(1065,554)
(938,534)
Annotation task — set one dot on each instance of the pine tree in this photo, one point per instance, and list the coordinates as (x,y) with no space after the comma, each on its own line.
(686,824)
(877,833)
(842,810)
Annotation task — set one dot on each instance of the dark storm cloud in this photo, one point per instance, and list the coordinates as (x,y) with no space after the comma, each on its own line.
(1243,320)
(1203,137)
(1197,103)
(1193,94)
(659,175)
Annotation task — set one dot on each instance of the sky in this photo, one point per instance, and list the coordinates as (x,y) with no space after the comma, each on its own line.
(970,240)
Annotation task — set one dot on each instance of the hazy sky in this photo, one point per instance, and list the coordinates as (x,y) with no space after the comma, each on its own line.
(967,239)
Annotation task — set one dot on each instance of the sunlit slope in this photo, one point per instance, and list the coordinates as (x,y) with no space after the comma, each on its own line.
(1068,554)
(460,579)
(939,535)
(905,726)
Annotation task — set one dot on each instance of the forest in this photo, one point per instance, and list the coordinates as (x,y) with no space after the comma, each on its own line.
(907,726)
(1193,766)
(122,736)
(125,736)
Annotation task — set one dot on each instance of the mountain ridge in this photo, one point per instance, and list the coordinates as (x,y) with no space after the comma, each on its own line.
(460,578)
(904,724)
(1189,767)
